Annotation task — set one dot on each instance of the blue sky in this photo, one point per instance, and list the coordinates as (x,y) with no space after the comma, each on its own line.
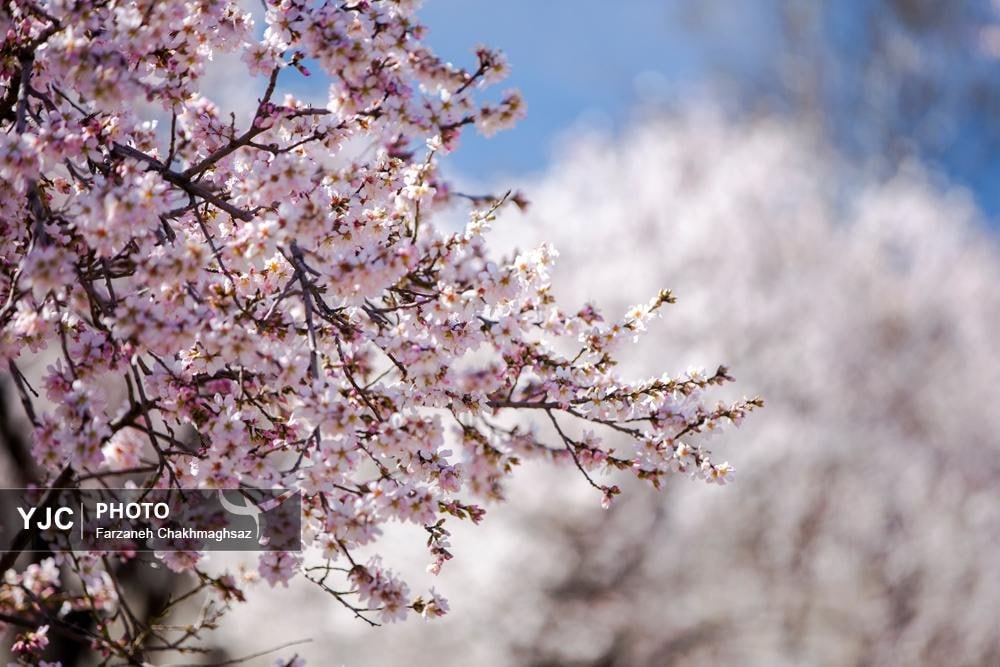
(575,62)
(595,62)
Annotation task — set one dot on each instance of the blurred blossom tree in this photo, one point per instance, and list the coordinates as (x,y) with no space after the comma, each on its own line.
(867,312)
(210,303)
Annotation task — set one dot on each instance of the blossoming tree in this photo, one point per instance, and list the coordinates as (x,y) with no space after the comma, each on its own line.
(203,302)
(867,311)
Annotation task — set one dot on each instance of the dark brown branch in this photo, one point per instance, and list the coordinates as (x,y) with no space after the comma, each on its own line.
(182,181)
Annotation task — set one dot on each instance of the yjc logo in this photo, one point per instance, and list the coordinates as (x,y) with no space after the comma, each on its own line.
(60,517)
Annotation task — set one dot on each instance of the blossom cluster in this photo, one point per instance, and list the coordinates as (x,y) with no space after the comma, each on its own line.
(269,304)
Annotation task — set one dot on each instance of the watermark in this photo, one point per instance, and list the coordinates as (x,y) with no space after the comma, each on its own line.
(150,520)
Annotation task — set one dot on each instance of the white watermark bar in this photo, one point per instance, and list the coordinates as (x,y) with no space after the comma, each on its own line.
(133,520)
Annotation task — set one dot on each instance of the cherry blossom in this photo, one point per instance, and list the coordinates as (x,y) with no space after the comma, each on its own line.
(270,302)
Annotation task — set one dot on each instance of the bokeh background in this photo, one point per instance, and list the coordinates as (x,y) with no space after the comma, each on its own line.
(818,181)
